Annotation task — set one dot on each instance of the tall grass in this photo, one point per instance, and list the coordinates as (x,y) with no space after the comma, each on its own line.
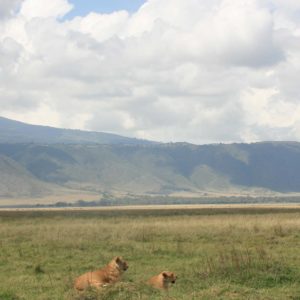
(231,255)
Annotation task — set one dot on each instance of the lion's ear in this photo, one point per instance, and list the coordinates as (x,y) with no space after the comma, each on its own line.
(165,274)
(118,259)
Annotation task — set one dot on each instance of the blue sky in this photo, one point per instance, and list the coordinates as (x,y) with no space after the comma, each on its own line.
(83,7)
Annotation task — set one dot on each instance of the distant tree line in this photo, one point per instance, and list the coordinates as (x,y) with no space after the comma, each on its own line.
(166,200)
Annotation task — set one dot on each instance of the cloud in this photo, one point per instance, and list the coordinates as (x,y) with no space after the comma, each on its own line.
(8,8)
(100,26)
(40,9)
(198,71)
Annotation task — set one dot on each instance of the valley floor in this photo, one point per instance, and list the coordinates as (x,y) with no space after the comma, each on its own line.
(218,252)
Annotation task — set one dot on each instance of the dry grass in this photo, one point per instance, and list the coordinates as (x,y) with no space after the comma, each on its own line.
(227,254)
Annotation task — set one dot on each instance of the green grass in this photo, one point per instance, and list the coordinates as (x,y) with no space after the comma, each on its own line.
(231,253)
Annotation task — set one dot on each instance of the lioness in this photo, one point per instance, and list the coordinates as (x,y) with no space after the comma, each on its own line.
(162,280)
(111,273)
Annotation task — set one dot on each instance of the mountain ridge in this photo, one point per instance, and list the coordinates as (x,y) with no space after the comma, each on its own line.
(19,132)
(165,169)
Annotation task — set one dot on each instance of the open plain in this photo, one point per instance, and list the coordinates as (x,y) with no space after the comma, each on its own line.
(217,252)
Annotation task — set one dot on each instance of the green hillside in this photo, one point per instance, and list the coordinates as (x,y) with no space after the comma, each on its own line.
(36,161)
(151,170)
(16,181)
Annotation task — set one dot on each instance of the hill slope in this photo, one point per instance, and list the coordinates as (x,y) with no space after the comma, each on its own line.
(17,132)
(158,169)
(36,161)
(16,181)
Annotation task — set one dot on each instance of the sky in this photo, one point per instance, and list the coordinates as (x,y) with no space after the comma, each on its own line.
(200,71)
(84,7)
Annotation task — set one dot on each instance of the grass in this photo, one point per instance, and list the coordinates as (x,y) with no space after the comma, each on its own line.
(217,253)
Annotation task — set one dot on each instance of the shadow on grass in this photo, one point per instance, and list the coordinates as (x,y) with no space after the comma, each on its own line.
(8,296)
(121,291)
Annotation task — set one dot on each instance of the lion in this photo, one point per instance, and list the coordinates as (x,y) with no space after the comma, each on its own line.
(162,280)
(109,274)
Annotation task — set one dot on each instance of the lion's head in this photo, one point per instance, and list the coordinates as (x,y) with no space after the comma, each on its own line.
(120,263)
(169,277)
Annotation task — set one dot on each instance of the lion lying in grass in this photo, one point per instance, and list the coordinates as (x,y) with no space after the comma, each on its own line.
(111,273)
(162,280)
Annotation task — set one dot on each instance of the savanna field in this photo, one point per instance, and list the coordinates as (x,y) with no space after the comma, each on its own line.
(217,252)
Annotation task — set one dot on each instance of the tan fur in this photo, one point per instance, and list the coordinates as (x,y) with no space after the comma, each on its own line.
(111,273)
(162,280)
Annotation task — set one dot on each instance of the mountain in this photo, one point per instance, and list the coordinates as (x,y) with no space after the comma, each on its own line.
(84,164)
(15,180)
(17,132)
(169,169)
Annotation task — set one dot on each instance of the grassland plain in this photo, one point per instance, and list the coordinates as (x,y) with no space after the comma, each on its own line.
(217,253)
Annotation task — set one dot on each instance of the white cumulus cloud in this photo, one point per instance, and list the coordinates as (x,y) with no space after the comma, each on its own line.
(193,70)
(45,9)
